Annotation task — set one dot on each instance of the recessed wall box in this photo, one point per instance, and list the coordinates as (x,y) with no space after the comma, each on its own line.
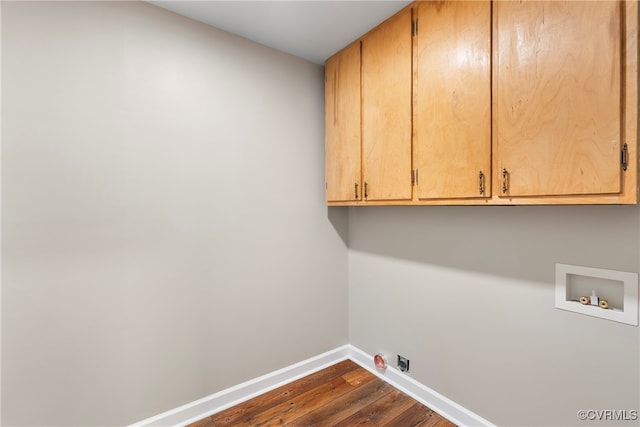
(618,288)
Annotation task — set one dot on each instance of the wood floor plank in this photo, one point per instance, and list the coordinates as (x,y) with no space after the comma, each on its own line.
(343,395)
(300,405)
(358,377)
(346,405)
(443,423)
(244,411)
(359,419)
(416,415)
(384,410)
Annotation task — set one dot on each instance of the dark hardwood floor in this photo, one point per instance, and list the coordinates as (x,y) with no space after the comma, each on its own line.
(342,395)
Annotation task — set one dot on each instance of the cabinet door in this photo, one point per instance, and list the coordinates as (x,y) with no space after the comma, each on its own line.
(558,111)
(452,113)
(342,125)
(386,109)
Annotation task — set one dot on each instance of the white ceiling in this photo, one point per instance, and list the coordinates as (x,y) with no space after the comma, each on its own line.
(313,30)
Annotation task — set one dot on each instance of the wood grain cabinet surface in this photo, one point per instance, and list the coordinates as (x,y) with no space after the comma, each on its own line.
(386,110)
(343,172)
(558,87)
(452,103)
(487,103)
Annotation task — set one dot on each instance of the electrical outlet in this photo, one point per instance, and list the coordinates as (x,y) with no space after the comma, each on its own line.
(403,364)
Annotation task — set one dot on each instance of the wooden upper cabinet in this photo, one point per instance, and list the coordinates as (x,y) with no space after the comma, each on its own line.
(452,104)
(342,125)
(558,108)
(386,109)
(487,103)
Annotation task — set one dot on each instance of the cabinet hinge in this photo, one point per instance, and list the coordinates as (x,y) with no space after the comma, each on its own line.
(482,185)
(624,156)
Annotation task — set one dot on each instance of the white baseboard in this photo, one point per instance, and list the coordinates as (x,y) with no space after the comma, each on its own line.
(420,392)
(227,398)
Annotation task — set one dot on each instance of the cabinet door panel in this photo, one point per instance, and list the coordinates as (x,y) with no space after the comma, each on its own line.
(453,99)
(386,109)
(342,125)
(558,108)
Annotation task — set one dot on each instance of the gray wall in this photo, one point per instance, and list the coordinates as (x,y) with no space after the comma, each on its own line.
(162,219)
(467,294)
(164,229)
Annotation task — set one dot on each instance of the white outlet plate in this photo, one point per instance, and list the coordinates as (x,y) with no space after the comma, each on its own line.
(626,287)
